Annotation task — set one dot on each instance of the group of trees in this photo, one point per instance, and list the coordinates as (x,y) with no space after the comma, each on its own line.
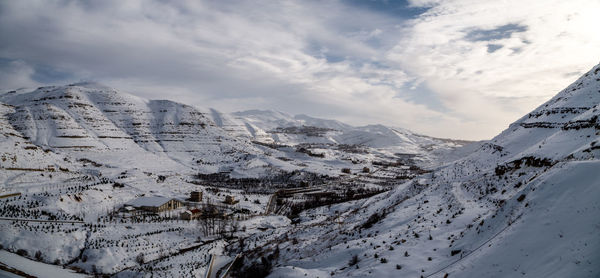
(218,225)
(266,184)
(329,199)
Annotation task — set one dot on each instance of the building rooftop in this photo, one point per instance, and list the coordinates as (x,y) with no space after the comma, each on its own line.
(192,211)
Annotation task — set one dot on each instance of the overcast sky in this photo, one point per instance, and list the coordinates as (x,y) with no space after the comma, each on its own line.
(447,68)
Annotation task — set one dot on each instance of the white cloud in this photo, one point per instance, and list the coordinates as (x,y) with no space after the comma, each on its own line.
(489,90)
(324,58)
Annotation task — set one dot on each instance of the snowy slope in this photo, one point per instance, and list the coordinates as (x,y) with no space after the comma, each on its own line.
(269,120)
(25,165)
(523,204)
(120,130)
(280,126)
(78,153)
(94,123)
(276,127)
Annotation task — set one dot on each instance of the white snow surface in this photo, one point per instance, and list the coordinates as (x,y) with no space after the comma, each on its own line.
(148,201)
(524,204)
(263,125)
(78,152)
(35,268)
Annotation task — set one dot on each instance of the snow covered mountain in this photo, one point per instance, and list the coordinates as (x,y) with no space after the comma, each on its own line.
(73,156)
(298,129)
(526,203)
(295,196)
(93,122)
(280,128)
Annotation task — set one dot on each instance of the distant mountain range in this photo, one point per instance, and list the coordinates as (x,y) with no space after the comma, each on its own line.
(93,122)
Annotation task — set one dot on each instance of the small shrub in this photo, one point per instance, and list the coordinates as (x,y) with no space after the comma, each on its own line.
(22,252)
(354,260)
(518,184)
(398,266)
(140,258)
(383,260)
(374,218)
(521,198)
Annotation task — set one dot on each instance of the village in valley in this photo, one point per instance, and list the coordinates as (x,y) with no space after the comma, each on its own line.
(165,223)
(126,187)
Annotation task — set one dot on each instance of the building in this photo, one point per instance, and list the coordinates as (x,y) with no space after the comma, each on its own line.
(230,200)
(154,204)
(191,214)
(196,196)
(128,211)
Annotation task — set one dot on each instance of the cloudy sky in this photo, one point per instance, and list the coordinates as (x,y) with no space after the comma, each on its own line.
(447,68)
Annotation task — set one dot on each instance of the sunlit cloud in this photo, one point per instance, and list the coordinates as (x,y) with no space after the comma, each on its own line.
(489,62)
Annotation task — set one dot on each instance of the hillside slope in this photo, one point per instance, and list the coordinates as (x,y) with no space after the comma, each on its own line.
(121,129)
(26,165)
(74,156)
(523,204)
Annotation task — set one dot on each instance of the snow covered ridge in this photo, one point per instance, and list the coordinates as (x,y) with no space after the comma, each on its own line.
(89,120)
(526,203)
(292,130)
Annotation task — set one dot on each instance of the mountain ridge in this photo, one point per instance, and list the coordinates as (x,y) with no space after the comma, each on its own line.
(508,208)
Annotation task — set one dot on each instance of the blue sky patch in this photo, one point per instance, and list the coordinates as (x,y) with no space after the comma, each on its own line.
(491,48)
(500,32)
(400,8)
